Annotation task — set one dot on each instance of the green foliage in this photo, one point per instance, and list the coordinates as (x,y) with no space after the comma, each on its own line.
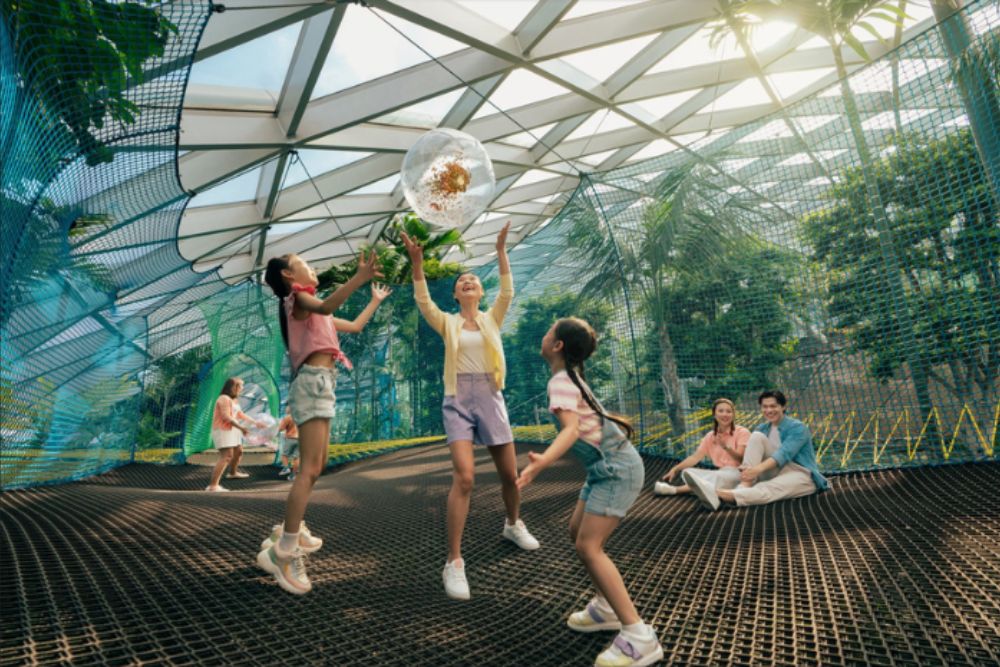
(81,56)
(527,372)
(732,326)
(944,230)
(171,385)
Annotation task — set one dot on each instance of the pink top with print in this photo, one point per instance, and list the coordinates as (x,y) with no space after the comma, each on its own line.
(564,395)
(711,446)
(316,333)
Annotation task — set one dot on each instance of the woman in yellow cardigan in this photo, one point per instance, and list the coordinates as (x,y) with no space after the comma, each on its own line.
(474,410)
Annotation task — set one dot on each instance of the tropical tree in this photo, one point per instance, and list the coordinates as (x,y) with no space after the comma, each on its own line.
(733,326)
(945,232)
(835,21)
(527,372)
(689,220)
(80,57)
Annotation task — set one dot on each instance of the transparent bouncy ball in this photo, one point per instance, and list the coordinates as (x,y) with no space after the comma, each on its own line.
(447,178)
(263,436)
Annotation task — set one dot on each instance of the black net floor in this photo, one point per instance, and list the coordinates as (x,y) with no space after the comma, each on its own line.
(141,567)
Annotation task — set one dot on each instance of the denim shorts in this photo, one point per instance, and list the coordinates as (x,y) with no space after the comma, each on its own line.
(476,412)
(311,395)
(291,448)
(613,481)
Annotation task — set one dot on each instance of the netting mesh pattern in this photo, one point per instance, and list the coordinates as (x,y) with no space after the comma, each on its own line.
(845,249)
(89,219)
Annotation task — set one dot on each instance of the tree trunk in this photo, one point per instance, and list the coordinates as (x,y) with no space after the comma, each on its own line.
(670,382)
(893,270)
(975,87)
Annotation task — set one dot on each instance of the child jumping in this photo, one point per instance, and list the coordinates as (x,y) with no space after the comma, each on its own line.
(614,478)
(474,411)
(313,348)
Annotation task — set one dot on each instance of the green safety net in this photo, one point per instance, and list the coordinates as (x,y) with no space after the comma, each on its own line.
(845,250)
(88,254)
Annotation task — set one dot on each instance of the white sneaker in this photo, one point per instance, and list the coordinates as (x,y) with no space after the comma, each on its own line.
(289,569)
(629,651)
(703,489)
(239,474)
(664,489)
(218,488)
(596,617)
(455,583)
(519,535)
(284,471)
(307,541)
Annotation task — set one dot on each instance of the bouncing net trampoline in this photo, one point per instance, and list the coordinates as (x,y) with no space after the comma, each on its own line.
(139,567)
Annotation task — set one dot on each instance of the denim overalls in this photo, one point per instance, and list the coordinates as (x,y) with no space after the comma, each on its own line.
(615,472)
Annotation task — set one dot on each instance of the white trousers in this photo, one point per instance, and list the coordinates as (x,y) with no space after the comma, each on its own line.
(789,481)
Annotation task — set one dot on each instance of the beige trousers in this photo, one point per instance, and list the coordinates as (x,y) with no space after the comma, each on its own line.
(789,481)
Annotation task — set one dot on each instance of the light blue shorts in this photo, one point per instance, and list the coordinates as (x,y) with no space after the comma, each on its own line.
(311,395)
(613,481)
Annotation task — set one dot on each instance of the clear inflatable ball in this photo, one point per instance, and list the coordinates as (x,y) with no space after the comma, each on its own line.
(447,178)
(265,436)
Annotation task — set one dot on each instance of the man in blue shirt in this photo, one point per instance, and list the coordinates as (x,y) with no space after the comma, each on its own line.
(779,462)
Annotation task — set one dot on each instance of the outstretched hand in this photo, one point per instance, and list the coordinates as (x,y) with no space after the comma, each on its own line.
(414,249)
(669,477)
(502,238)
(535,466)
(380,292)
(368,267)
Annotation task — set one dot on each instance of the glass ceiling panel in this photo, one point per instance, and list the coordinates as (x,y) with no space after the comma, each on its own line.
(787,84)
(603,61)
(598,123)
(380,187)
(748,93)
(661,106)
(318,162)
(519,88)
(239,188)
(529,138)
(696,50)
(507,14)
(655,148)
(586,7)
(261,63)
(427,114)
(365,48)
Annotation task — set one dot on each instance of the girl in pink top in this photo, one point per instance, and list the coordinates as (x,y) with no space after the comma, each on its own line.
(226,430)
(310,335)
(724,445)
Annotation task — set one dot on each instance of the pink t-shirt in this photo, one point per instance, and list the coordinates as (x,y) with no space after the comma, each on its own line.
(316,333)
(564,395)
(712,448)
(225,413)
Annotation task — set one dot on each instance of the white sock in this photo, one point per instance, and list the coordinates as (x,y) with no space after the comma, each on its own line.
(288,541)
(639,631)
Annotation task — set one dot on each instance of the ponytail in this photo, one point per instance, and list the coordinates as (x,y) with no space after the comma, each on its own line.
(276,281)
(579,341)
(580,383)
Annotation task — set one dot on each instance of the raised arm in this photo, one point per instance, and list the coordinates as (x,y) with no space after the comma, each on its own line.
(368,268)
(379,294)
(502,303)
(435,318)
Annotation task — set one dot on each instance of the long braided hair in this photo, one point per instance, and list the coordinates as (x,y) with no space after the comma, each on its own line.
(579,342)
(276,281)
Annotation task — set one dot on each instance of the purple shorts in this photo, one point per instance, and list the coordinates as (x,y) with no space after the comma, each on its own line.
(476,412)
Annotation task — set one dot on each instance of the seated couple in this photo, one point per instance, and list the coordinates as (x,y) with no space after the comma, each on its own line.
(774,462)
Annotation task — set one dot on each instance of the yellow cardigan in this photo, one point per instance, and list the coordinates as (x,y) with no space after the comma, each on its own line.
(449,325)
